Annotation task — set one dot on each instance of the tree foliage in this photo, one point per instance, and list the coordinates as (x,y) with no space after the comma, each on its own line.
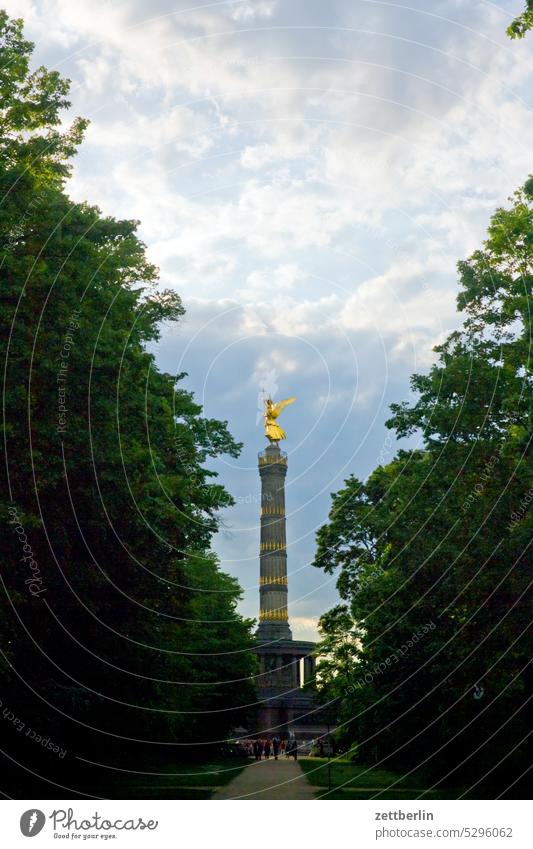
(521,25)
(129,629)
(429,651)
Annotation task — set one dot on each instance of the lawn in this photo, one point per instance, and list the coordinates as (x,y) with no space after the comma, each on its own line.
(175,780)
(356,781)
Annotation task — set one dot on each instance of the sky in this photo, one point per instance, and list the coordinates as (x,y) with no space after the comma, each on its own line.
(307,175)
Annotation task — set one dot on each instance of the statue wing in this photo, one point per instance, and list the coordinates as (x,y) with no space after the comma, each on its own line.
(282,404)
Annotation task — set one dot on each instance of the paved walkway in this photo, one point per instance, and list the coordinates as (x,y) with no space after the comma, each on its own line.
(282,779)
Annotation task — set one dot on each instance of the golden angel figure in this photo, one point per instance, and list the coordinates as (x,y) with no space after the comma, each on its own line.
(272,430)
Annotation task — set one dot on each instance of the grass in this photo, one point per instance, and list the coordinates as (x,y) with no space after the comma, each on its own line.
(175,780)
(356,781)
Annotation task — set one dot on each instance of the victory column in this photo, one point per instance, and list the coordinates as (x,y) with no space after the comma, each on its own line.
(285,664)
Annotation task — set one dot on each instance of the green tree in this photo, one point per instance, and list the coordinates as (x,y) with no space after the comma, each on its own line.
(129,629)
(522,23)
(429,651)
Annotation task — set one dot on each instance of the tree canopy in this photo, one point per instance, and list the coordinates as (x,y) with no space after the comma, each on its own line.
(520,26)
(429,651)
(117,623)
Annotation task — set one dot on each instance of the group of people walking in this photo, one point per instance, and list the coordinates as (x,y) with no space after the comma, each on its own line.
(276,747)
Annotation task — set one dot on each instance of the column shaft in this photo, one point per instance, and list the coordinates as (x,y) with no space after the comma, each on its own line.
(273,590)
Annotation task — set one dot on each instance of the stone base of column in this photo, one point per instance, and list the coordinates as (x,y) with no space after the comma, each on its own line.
(269,631)
(284,708)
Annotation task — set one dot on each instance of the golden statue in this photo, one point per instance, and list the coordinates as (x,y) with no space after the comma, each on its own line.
(273,431)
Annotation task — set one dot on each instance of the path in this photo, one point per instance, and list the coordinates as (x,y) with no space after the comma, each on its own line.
(282,779)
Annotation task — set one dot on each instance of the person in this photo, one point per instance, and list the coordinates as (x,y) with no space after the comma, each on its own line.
(258,749)
(275,747)
(283,747)
(293,749)
(267,749)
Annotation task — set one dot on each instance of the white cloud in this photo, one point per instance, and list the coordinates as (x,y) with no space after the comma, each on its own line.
(305,627)
(248,11)
(401,299)
(272,280)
